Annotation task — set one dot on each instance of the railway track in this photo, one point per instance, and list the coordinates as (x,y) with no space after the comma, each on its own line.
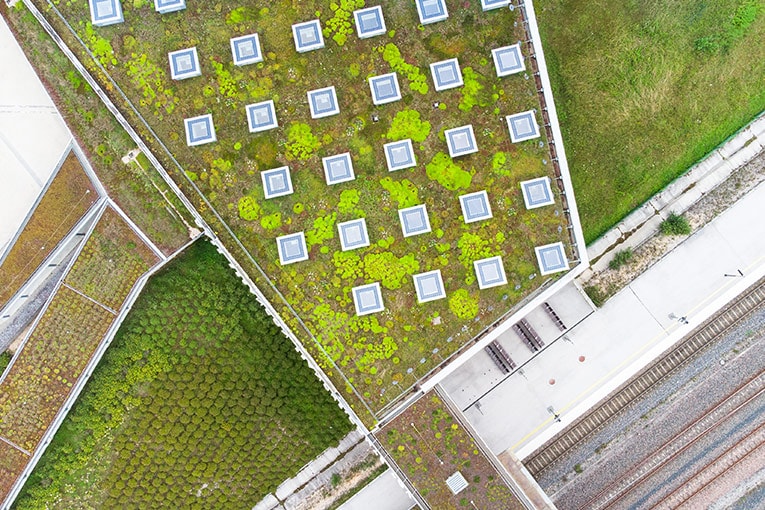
(616,491)
(651,377)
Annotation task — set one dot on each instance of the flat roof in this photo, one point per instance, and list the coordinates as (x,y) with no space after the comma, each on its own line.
(199,130)
(431,11)
(429,286)
(245,49)
(446,74)
(461,141)
(490,272)
(261,116)
(537,192)
(338,168)
(308,36)
(276,182)
(399,155)
(475,206)
(551,258)
(184,63)
(488,5)
(368,299)
(384,88)
(508,60)
(523,126)
(369,22)
(165,6)
(292,248)
(323,102)
(353,234)
(105,12)
(414,220)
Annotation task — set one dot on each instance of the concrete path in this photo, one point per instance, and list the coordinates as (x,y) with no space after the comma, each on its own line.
(33,136)
(384,493)
(631,329)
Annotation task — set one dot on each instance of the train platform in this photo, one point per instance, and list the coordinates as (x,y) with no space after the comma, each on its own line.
(592,357)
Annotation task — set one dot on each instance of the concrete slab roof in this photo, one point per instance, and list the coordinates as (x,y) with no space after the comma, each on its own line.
(429,286)
(551,258)
(399,155)
(490,272)
(523,126)
(414,220)
(508,60)
(105,12)
(308,36)
(369,22)
(277,182)
(261,116)
(323,102)
(537,192)
(446,74)
(384,88)
(368,299)
(246,49)
(292,248)
(431,11)
(338,168)
(461,141)
(353,234)
(475,206)
(199,130)
(184,63)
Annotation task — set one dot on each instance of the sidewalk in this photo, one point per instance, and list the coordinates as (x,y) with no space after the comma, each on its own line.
(631,329)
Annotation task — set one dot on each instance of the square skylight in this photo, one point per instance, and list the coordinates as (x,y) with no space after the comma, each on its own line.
(276,182)
(490,272)
(446,74)
(488,5)
(184,64)
(369,22)
(523,126)
(353,234)
(323,102)
(475,206)
(508,60)
(456,482)
(199,130)
(308,36)
(105,12)
(414,220)
(261,116)
(165,6)
(368,299)
(431,11)
(292,248)
(537,192)
(399,155)
(338,168)
(551,258)
(385,88)
(429,286)
(246,50)
(461,141)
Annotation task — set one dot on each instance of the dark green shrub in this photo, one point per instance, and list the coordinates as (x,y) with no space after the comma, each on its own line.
(675,225)
(597,296)
(621,258)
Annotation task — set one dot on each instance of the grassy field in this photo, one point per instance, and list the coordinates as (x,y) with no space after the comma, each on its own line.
(429,446)
(382,354)
(68,197)
(232,408)
(100,136)
(645,89)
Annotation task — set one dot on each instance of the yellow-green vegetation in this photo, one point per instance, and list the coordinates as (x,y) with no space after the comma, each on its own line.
(417,337)
(68,197)
(429,445)
(12,463)
(200,401)
(645,89)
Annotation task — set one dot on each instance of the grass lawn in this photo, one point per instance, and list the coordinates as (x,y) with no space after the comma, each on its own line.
(200,402)
(645,89)
(66,200)
(382,354)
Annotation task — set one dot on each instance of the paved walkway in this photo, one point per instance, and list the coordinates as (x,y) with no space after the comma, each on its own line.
(32,136)
(632,328)
(384,493)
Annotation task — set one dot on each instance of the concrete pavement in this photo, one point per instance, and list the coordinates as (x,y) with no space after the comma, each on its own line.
(384,493)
